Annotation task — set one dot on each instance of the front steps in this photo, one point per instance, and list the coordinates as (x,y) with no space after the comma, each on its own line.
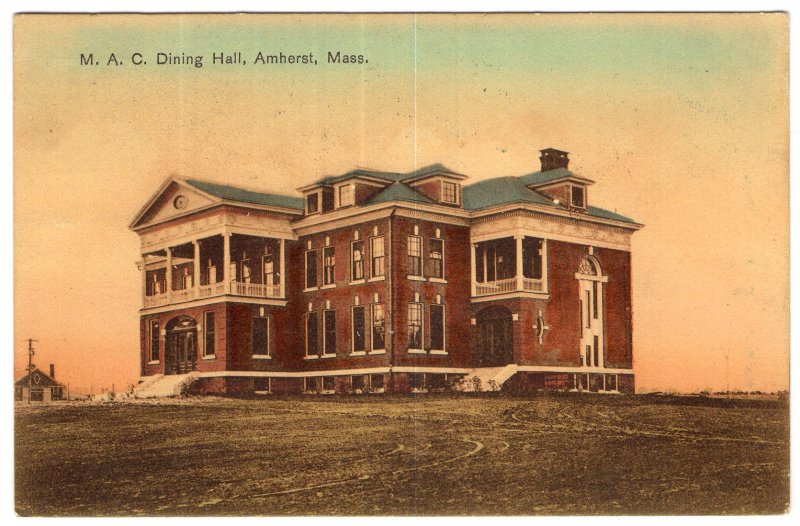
(488,378)
(162,386)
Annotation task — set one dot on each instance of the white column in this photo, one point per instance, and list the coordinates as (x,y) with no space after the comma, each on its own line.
(169,273)
(473,268)
(518,239)
(282,268)
(196,277)
(226,262)
(144,276)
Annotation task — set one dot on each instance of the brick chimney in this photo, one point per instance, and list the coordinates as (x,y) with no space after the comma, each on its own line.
(52,371)
(552,159)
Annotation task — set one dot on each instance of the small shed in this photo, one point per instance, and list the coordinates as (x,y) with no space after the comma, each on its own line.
(43,387)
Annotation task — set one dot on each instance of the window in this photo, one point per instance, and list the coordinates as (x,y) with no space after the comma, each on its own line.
(578,197)
(449,192)
(378,327)
(437,327)
(209,338)
(532,249)
(187,278)
(436,258)
(154,341)
(328,263)
(415,326)
(244,272)
(261,336)
(329,319)
(414,256)
(357,261)
(312,203)
(376,381)
(376,249)
(329,383)
(312,335)
(262,385)
(269,269)
(311,269)
(359,341)
(346,195)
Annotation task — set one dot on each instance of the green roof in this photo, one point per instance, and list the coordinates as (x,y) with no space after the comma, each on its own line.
(606,214)
(397,192)
(546,177)
(233,193)
(499,191)
(386,176)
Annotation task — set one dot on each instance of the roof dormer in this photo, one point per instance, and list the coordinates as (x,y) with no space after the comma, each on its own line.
(556,182)
(440,185)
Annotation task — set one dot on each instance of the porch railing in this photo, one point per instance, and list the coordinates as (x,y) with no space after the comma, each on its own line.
(503,286)
(532,285)
(253,290)
(257,290)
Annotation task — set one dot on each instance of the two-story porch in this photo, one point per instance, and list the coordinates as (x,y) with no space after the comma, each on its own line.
(216,265)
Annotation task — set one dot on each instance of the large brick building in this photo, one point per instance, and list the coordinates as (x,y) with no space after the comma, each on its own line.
(388,281)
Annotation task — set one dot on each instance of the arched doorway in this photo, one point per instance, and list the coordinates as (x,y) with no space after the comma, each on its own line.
(495,337)
(181,346)
(590,286)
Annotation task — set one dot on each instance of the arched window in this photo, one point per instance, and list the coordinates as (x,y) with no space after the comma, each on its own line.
(589,266)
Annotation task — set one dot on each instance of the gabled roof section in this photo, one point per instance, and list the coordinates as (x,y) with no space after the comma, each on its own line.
(44,379)
(233,193)
(500,191)
(388,177)
(551,176)
(398,192)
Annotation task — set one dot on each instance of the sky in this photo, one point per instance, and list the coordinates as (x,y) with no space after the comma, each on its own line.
(682,121)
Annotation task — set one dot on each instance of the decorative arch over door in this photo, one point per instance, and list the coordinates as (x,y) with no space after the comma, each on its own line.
(495,337)
(181,345)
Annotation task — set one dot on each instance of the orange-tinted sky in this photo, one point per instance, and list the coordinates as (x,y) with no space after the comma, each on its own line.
(681,119)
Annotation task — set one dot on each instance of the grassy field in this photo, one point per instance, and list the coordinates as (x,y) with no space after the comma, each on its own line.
(373,455)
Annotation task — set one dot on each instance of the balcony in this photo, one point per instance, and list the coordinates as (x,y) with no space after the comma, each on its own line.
(220,265)
(509,265)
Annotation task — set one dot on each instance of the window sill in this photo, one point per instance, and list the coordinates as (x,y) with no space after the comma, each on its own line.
(358,353)
(209,357)
(263,392)
(378,351)
(310,289)
(310,357)
(153,362)
(415,278)
(358,281)
(377,278)
(437,280)
(328,356)
(439,352)
(416,351)
(262,357)
(328,286)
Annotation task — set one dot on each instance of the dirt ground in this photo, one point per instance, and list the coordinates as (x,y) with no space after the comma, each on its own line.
(381,455)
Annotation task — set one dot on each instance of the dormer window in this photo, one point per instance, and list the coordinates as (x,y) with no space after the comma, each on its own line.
(578,197)
(312,203)
(449,192)
(347,195)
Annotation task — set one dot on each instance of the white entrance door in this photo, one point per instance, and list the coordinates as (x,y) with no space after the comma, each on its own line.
(591,305)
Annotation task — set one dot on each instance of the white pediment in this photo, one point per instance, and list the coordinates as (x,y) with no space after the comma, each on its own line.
(174,199)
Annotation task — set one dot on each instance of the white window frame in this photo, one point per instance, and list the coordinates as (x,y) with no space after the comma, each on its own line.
(373,276)
(206,325)
(456,192)
(324,353)
(571,201)
(325,283)
(150,325)
(351,194)
(353,351)
(443,278)
(318,193)
(372,348)
(419,240)
(421,305)
(443,350)
(353,279)
(305,326)
(268,354)
(305,270)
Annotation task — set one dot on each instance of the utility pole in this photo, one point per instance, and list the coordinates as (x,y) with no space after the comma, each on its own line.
(30,367)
